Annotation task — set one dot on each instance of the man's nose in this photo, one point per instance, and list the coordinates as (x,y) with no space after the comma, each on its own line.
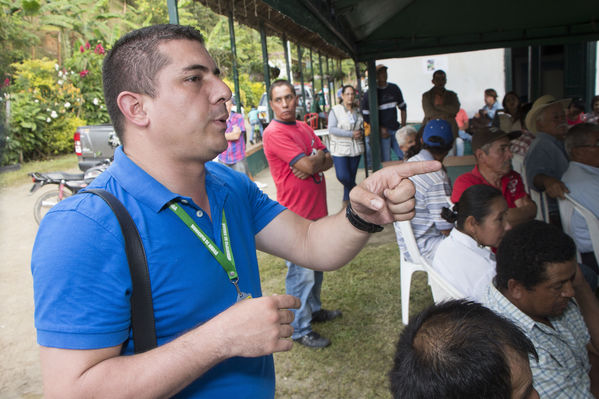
(568,290)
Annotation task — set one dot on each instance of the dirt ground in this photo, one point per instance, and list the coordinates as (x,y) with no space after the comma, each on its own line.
(20,375)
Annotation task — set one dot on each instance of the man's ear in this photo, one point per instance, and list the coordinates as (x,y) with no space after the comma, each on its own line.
(515,289)
(478,154)
(132,107)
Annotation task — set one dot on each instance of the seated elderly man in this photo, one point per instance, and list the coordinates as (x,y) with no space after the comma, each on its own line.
(491,148)
(446,352)
(546,159)
(582,178)
(540,287)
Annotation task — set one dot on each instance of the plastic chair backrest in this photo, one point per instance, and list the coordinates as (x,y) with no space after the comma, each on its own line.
(410,241)
(566,210)
(440,287)
(312,120)
(540,198)
(518,166)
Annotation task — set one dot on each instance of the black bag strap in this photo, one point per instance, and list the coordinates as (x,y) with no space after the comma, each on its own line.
(142,310)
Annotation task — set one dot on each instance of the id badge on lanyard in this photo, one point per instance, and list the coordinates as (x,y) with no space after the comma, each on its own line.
(224,259)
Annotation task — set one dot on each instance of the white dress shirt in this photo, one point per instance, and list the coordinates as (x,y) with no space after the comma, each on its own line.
(465,265)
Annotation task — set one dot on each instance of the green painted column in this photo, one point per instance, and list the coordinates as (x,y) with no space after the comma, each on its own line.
(321,79)
(329,82)
(312,73)
(301,75)
(173,12)
(235,71)
(359,97)
(373,105)
(266,68)
(286,52)
(507,63)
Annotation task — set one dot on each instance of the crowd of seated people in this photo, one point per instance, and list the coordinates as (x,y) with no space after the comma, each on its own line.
(497,254)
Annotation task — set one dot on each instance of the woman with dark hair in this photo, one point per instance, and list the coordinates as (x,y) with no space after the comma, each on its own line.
(346,128)
(593,115)
(511,118)
(465,258)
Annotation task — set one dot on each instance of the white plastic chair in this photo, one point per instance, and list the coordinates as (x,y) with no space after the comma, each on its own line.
(440,288)
(518,164)
(540,198)
(566,210)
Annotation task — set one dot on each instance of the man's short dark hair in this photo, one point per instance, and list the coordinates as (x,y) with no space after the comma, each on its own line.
(457,349)
(439,71)
(527,249)
(133,62)
(280,82)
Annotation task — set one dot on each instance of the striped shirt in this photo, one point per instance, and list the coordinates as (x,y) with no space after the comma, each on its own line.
(563,366)
(432,191)
(389,98)
(235,152)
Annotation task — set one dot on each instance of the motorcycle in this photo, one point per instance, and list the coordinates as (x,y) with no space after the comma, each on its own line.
(68,184)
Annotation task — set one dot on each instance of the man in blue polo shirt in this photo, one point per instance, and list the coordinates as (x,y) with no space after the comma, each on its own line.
(390,99)
(215,336)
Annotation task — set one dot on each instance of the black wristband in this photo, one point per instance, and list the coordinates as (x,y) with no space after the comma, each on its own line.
(360,223)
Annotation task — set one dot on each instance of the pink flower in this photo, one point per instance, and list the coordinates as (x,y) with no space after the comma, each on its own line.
(82,49)
(6,82)
(99,49)
(83,73)
(87,45)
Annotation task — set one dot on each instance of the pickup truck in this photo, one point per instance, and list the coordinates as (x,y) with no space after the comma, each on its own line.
(95,144)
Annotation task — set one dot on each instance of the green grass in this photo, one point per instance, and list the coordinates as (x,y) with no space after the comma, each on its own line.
(15,177)
(367,290)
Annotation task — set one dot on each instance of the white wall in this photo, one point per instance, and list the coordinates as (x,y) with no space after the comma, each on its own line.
(468,74)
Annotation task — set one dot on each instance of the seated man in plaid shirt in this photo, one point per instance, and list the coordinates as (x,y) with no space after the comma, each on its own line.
(234,155)
(540,288)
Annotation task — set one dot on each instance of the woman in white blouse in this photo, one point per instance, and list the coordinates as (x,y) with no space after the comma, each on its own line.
(346,128)
(465,258)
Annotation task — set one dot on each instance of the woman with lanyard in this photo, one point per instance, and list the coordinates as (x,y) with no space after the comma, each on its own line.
(346,129)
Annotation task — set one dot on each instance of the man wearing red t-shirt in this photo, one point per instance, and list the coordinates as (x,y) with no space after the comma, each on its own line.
(297,158)
(491,148)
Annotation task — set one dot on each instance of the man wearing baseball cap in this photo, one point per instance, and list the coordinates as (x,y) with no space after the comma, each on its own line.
(491,148)
(390,99)
(432,190)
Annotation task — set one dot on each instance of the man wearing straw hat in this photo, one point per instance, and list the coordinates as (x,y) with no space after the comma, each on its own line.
(547,160)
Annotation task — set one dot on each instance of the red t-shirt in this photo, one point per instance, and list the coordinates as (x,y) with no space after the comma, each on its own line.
(512,186)
(284,144)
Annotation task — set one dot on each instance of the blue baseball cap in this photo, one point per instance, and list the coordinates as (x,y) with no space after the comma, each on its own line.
(438,128)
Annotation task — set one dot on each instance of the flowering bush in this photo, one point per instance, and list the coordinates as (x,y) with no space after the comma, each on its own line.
(86,74)
(44,109)
(48,102)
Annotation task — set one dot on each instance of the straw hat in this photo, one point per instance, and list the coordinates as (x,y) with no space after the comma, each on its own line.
(538,107)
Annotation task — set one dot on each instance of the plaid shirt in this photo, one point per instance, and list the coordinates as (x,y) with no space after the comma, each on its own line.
(235,152)
(563,365)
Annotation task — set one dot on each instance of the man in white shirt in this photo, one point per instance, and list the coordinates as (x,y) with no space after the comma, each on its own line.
(582,178)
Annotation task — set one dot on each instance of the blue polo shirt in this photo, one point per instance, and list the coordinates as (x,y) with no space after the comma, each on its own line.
(81,276)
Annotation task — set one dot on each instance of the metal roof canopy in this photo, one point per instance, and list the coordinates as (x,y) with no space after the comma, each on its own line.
(279,18)
(375,29)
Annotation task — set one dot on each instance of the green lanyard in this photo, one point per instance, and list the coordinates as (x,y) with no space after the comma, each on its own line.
(225,259)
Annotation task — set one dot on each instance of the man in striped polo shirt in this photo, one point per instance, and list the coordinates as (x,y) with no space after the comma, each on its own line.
(432,191)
